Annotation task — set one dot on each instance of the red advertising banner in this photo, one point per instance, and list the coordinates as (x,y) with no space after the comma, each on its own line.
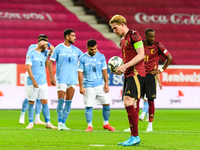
(21,74)
(180,77)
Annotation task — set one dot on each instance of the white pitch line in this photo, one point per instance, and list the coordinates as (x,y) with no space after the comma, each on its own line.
(96,145)
(153,132)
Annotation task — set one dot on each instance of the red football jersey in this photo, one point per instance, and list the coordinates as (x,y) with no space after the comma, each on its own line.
(152,55)
(129,52)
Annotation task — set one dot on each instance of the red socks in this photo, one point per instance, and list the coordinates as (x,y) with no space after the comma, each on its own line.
(133,119)
(138,106)
(151,110)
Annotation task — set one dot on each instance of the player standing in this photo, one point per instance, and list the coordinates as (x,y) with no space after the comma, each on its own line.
(38,102)
(153,50)
(145,109)
(66,56)
(133,69)
(37,88)
(93,82)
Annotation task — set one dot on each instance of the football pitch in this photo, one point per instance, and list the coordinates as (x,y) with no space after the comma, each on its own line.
(173,130)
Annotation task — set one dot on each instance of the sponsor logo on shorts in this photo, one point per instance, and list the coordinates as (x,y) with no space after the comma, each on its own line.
(128,92)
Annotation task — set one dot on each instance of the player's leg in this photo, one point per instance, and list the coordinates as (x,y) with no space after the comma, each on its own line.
(32,96)
(45,110)
(88,116)
(131,91)
(61,88)
(146,106)
(37,113)
(23,111)
(147,118)
(25,103)
(144,109)
(89,99)
(46,114)
(43,95)
(106,116)
(143,97)
(67,108)
(138,106)
(151,94)
(103,99)
(30,114)
(151,114)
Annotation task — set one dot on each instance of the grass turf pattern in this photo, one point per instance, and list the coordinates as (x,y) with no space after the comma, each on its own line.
(173,130)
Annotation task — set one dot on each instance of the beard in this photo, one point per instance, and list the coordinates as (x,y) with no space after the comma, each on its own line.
(71,42)
(150,42)
(91,54)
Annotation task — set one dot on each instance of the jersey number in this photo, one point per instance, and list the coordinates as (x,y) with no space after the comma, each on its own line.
(146,57)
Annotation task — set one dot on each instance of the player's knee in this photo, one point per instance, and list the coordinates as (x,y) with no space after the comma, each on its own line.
(31,102)
(44,102)
(128,101)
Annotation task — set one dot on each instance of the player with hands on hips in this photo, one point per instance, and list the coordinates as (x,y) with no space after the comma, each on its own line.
(153,51)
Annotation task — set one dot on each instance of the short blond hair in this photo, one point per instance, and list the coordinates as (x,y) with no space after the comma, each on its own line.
(118,19)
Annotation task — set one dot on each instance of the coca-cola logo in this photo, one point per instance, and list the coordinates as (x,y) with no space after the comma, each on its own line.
(176,18)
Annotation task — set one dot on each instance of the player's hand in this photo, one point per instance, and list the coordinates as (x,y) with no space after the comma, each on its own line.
(106,88)
(35,84)
(155,72)
(82,90)
(42,43)
(53,81)
(160,85)
(120,70)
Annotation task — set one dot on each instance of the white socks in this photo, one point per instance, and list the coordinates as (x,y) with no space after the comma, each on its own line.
(90,124)
(105,122)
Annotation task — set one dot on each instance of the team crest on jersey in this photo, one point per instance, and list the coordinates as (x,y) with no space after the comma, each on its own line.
(126,43)
(152,51)
(27,57)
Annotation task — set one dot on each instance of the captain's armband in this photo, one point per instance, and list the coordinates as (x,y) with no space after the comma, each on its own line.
(138,44)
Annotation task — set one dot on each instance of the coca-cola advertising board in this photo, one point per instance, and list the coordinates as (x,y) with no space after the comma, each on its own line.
(174,18)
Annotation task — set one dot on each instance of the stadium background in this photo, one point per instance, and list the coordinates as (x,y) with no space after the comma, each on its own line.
(176,24)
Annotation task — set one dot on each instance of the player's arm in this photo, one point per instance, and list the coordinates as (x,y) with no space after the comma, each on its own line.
(80,80)
(159,81)
(50,67)
(51,47)
(46,63)
(166,64)
(105,77)
(168,61)
(140,55)
(28,68)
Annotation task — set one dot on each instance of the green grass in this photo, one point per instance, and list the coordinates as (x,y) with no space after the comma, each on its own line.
(173,129)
